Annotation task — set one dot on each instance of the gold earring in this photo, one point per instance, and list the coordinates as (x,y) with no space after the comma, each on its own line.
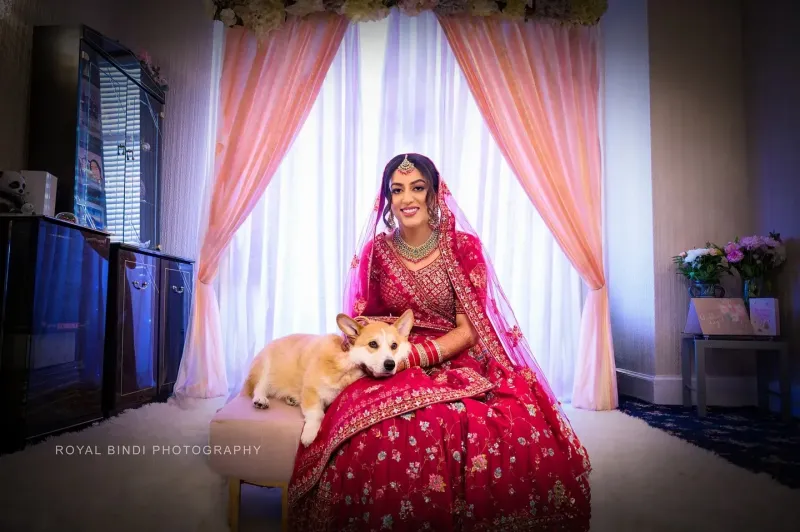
(433,219)
(390,220)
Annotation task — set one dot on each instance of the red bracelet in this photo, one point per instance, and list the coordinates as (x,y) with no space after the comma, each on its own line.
(424,354)
(413,357)
(431,352)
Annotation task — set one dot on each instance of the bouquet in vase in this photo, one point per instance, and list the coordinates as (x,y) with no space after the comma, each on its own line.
(703,267)
(755,257)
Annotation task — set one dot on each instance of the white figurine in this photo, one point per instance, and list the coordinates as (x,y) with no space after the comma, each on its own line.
(13,196)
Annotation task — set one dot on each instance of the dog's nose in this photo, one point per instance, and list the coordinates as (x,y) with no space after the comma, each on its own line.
(389,365)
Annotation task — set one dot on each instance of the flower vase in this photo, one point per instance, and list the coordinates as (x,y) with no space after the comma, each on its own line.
(698,289)
(752,288)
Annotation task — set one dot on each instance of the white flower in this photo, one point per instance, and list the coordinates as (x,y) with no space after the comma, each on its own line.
(228,17)
(693,254)
(303,8)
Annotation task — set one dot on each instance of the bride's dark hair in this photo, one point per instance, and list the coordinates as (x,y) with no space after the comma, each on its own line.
(429,173)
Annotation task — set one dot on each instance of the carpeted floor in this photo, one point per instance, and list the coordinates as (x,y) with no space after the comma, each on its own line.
(643,480)
(743,436)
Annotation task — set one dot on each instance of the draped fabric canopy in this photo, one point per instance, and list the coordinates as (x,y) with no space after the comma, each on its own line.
(266,92)
(538,88)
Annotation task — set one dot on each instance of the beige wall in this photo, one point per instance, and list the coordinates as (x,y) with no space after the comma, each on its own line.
(699,145)
(699,153)
(178,35)
(715,94)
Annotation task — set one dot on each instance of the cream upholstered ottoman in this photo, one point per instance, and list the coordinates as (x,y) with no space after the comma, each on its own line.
(255,446)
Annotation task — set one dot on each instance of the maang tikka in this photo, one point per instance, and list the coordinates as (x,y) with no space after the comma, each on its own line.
(406,167)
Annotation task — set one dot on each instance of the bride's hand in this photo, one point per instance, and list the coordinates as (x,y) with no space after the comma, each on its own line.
(402,365)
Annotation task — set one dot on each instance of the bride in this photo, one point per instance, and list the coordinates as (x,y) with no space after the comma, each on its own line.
(468,434)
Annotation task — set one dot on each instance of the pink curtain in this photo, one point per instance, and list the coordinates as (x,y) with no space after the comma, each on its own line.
(266,92)
(537,86)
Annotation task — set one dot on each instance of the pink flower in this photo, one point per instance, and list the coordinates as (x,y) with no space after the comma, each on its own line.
(413,8)
(752,242)
(731,247)
(735,255)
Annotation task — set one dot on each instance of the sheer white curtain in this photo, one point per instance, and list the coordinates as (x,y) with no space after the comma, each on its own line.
(427,108)
(283,272)
(399,89)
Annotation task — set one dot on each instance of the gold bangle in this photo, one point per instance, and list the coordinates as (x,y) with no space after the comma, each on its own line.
(423,356)
(439,353)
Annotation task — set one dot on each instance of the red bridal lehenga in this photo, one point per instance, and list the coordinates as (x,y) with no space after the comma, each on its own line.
(478,443)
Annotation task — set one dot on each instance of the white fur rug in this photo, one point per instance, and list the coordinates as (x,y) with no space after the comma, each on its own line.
(643,480)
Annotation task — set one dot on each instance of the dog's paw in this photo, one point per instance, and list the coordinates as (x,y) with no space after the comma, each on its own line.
(291,401)
(260,402)
(310,431)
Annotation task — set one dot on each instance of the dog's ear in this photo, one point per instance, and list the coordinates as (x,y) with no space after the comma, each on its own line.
(404,323)
(348,325)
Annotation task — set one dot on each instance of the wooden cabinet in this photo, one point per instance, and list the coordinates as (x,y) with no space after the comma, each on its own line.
(88,327)
(177,278)
(53,293)
(148,315)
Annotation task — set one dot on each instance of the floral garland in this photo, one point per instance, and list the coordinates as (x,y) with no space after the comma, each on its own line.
(263,16)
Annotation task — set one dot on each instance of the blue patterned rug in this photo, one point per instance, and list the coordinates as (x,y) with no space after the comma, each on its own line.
(743,435)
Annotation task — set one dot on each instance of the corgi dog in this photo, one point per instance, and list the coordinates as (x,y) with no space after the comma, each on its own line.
(312,370)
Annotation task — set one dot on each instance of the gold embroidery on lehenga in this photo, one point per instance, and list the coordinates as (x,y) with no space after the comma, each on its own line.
(530,518)
(416,290)
(417,323)
(390,405)
(478,276)
(439,290)
(359,306)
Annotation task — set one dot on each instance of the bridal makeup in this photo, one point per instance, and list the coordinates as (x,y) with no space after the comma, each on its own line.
(409,199)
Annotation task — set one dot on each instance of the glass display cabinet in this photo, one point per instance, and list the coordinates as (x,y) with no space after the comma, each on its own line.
(96,123)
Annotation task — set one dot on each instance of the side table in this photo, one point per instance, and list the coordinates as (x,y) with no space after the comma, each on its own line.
(703,344)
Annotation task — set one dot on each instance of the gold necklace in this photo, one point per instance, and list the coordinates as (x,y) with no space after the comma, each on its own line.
(419,253)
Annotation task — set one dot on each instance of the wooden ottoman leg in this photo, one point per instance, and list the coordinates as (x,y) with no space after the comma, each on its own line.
(285,508)
(234,497)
